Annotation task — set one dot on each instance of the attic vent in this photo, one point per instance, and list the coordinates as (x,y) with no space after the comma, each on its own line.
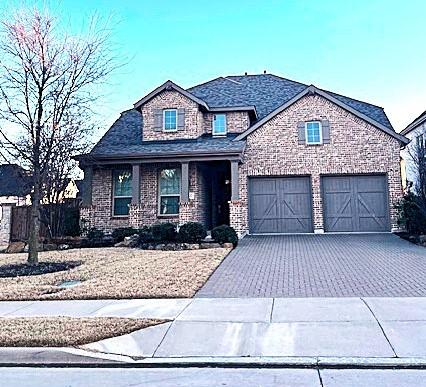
(169,88)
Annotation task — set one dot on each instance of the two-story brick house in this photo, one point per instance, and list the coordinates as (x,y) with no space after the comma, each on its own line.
(259,152)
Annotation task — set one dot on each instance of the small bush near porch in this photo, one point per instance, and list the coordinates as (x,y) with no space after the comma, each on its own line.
(114,273)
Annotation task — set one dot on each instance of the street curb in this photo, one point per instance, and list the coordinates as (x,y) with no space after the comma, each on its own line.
(78,358)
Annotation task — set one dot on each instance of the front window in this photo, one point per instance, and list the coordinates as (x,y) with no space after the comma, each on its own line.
(122,192)
(170,120)
(219,125)
(169,187)
(313,132)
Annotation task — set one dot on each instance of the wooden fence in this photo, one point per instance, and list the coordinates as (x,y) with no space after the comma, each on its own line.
(55,220)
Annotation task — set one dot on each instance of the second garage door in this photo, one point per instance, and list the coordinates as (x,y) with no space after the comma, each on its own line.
(280,205)
(355,203)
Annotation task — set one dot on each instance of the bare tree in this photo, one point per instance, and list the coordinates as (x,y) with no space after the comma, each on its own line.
(48,83)
(417,153)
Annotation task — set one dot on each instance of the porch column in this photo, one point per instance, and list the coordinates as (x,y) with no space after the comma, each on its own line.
(87,187)
(184,198)
(235,181)
(136,184)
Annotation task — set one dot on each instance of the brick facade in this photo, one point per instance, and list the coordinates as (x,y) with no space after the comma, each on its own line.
(194,122)
(99,215)
(236,122)
(355,147)
(5,223)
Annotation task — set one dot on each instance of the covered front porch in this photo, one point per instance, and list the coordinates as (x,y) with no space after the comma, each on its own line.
(144,191)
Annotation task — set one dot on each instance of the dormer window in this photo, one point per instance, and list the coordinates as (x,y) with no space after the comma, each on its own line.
(219,125)
(170,120)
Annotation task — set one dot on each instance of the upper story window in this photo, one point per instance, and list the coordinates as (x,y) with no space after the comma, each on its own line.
(170,120)
(313,132)
(420,141)
(169,191)
(219,125)
(122,192)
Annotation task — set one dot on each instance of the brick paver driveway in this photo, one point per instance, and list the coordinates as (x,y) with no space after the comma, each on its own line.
(370,265)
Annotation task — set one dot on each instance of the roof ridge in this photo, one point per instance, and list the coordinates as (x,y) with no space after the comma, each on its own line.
(231,80)
(204,83)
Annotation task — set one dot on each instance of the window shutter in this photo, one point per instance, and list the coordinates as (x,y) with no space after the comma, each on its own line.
(181,119)
(325,124)
(158,120)
(301,132)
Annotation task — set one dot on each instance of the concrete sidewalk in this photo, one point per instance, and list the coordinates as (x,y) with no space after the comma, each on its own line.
(386,329)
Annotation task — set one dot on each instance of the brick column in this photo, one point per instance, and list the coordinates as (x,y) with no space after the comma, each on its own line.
(236,219)
(317,205)
(87,217)
(5,223)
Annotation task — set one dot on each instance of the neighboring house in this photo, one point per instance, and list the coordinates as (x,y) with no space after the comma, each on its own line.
(416,133)
(259,152)
(15,188)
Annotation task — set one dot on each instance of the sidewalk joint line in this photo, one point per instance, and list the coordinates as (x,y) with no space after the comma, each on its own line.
(380,326)
(22,307)
(320,377)
(170,326)
(272,310)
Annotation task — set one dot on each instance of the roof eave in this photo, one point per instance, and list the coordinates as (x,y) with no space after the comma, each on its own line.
(94,159)
(417,122)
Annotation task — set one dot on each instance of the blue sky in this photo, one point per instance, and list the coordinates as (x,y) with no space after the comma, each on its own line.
(372,50)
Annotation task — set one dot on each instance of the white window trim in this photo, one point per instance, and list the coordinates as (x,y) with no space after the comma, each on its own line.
(164,120)
(160,195)
(226,126)
(306,132)
(114,196)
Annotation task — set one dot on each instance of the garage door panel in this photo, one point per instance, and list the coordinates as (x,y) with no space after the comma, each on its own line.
(264,226)
(266,206)
(287,209)
(355,203)
(338,184)
(268,186)
(371,203)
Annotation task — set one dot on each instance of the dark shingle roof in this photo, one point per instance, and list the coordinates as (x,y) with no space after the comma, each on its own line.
(124,132)
(14,181)
(125,138)
(415,123)
(268,92)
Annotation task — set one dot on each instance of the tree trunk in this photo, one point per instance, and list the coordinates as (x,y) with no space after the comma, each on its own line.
(33,240)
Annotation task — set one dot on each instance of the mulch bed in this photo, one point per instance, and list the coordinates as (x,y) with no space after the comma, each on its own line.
(23,269)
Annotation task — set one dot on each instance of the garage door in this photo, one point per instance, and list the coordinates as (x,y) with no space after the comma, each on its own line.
(280,205)
(355,203)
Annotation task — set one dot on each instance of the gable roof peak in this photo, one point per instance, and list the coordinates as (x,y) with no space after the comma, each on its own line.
(168,86)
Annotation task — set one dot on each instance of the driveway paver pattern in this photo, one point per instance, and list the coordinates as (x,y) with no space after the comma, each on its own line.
(329,265)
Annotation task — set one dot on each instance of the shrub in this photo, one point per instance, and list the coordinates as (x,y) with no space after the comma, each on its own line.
(95,234)
(412,214)
(120,233)
(225,234)
(96,238)
(145,234)
(192,232)
(163,232)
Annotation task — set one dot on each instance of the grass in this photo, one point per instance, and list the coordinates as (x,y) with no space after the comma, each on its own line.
(65,331)
(109,273)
